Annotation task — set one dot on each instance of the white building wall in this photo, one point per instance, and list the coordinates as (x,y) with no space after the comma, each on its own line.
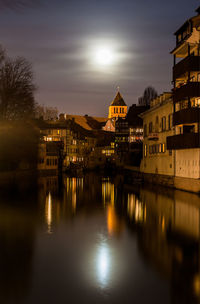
(187,163)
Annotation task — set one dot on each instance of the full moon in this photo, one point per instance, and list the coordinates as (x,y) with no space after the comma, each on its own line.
(104,57)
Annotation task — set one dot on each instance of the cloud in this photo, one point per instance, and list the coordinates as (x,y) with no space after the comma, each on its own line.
(19,4)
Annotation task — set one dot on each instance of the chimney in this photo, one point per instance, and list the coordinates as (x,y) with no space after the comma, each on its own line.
(62,117)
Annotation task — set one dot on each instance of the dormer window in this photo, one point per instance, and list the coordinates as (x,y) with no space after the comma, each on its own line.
(179,38)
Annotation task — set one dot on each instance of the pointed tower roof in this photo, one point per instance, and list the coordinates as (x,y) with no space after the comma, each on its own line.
(118,101)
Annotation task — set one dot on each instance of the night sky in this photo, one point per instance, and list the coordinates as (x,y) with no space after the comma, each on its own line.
(61,39)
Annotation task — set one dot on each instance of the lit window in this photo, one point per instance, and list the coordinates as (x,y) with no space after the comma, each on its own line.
(163,123)
(145,150)
(163,148)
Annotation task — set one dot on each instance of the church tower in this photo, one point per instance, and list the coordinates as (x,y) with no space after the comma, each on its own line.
(118,108)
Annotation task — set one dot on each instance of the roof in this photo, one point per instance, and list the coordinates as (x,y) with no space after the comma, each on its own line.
(187,22)
(118,101)
(88,122)
(64,124)
(158,102)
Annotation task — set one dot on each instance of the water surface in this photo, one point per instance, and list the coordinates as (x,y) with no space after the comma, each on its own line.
(93,239)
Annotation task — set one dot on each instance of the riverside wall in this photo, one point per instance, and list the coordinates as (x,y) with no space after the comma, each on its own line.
(132,174)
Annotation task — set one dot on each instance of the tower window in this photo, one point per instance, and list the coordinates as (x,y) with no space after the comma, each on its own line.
(116,110)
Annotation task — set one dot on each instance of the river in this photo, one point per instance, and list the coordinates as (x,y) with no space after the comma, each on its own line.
(92,239)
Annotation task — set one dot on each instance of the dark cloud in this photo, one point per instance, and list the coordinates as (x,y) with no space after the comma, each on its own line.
(19,4)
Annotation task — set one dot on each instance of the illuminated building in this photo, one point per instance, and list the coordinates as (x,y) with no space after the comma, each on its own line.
(63,143)
(129,135)
(118,108)
(157,123)
(186,99)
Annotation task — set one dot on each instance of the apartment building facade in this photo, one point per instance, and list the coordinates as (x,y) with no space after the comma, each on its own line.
(185,142)
(157,123)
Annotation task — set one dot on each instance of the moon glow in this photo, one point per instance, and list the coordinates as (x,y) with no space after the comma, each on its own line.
(104,57)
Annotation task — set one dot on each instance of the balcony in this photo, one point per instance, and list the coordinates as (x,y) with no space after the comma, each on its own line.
(186,116)
(191,89)
(153,136)
(183,141)
(189,64)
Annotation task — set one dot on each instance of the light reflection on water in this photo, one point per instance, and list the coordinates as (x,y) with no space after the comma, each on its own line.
(103,266)
(48,213)
(102,237)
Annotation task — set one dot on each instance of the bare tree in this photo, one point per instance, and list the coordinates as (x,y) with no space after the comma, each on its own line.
(16,88)
(47,113)
(2,54)
(149,94)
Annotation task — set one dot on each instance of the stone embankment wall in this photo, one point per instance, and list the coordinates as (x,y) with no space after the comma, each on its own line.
(187,184)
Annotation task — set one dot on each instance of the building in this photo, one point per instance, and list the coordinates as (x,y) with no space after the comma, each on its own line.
(63,143)
(50,155)
(110,125)
(85,121)
(118,108)
(185,140)
(157,122)
(129,135)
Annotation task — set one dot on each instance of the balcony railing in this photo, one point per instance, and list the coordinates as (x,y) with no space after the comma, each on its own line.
(189,64)
(183,141)
(153,136)
(191,89)
(186,116)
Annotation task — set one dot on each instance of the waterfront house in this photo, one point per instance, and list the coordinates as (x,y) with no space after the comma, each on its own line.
(185,142)
(157,122)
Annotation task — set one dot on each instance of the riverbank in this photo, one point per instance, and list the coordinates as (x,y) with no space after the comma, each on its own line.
(180,183)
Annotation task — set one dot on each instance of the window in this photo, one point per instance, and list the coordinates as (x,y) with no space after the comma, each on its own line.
(145,130)
(116,110)
(169,121)
(163,123)
(150,127)
(157,148)
(163,148)
(122,110)
(179,38)
(145,150)
(157,120)
(48,162)
(170,152)
(157,124)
